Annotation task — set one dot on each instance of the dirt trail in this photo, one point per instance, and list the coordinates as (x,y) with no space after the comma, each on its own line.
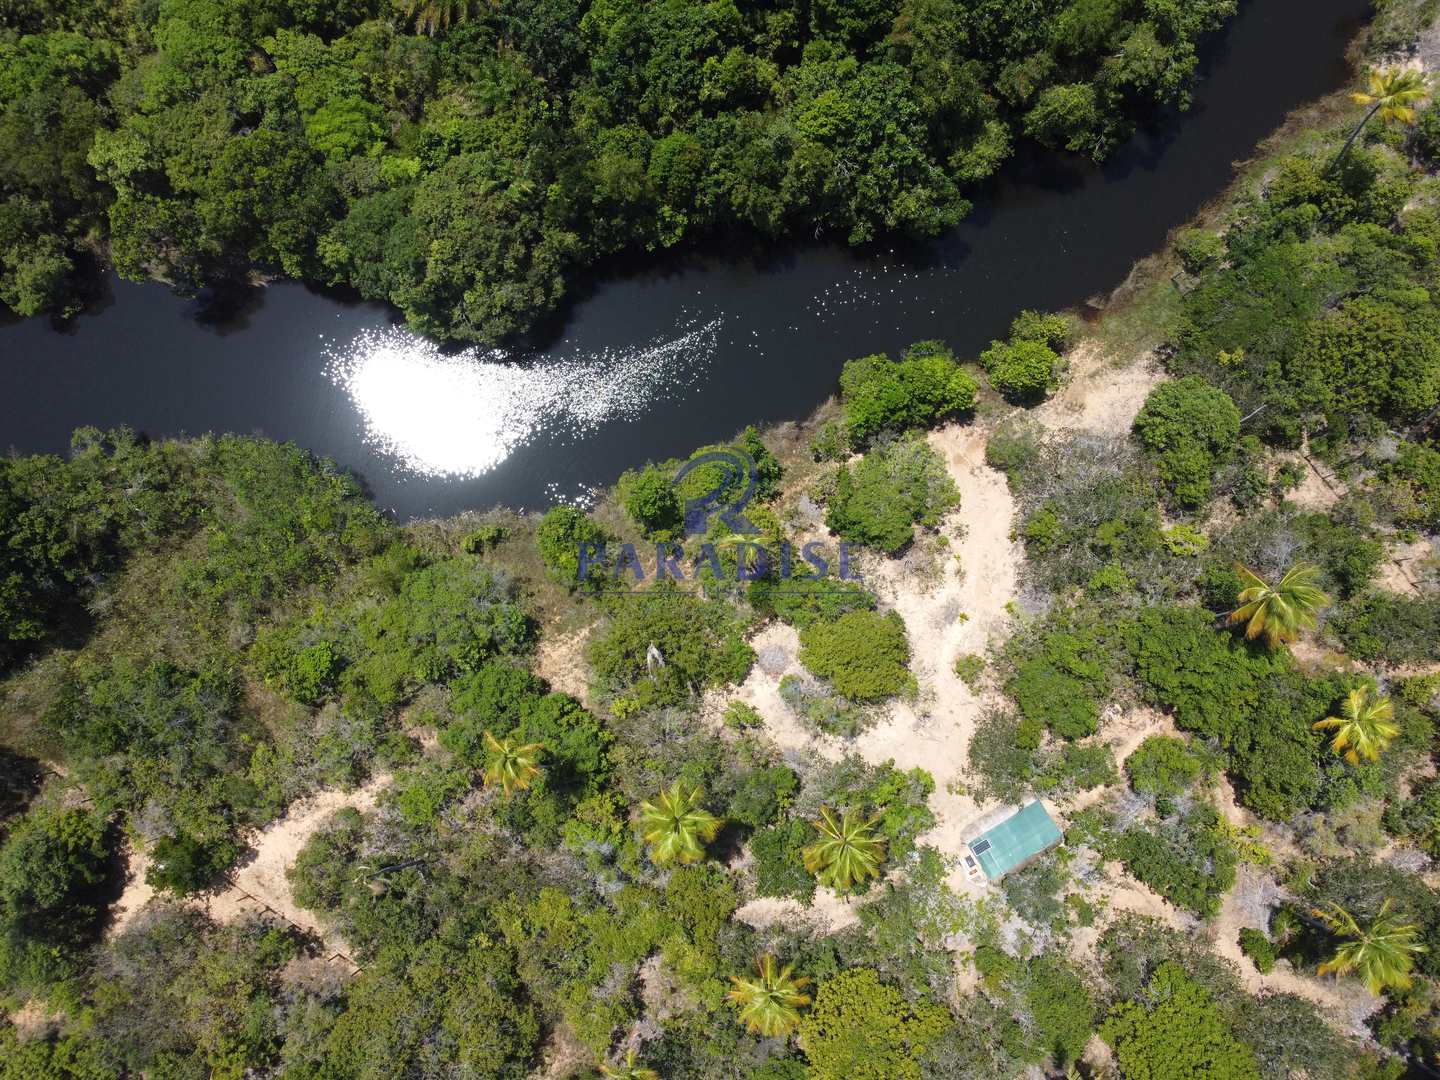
(260,884)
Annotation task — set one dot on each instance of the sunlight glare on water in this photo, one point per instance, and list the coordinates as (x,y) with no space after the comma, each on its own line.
(461,415)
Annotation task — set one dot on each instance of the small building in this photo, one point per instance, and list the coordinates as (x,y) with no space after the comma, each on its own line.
(1015,841)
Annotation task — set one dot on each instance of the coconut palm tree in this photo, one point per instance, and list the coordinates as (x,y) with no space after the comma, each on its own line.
(676,826)
(629,1071)
(511,765)
(770,1003)
(1365,727)
(1279,614)
(1381,954)
(847,852)
(432,15)
(1392,93)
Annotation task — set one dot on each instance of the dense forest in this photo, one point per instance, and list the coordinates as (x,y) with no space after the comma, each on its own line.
(549,822)
(464,160)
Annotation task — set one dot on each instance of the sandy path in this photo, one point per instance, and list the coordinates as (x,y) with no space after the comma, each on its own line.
(1099,394)
(260,884)
(560,661)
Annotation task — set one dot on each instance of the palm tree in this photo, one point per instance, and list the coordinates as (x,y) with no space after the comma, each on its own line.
(628,1071)
(1365,727)
(847,852)
(1381,954)
(769,1004)
(1392,93)
(1279,614)
(511,766)
(675,825)
(432,15)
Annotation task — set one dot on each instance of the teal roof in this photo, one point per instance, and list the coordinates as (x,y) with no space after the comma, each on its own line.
(1015,841)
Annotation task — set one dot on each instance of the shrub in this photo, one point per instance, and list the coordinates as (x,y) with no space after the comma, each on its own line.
(1189,427)
(1259,948)
(1389,628)
(1162,765)
(651,502)
(970,667)
(559,535)
(183,865)
(880,395)
(1061,1006)
(760,795)
(779,869)
(890,491)
(800,602)
(863,654)
(1062,679)
(700,642)
(1176,1030)
(1050,330)
(1190,862)
(862,1029)
(1413,486)
(1014,448)
(1199,249)
(1022,371)
(822,709)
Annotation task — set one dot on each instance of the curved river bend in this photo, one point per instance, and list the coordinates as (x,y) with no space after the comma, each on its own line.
(653,364)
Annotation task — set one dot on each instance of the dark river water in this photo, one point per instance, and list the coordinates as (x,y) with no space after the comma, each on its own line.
(654,362)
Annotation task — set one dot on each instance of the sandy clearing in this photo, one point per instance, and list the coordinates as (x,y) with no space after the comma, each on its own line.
(260,884)
(1403,571)
(1099,394)
(560,661)
(827,912)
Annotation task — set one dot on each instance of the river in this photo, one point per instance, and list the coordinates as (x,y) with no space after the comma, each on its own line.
(658,360)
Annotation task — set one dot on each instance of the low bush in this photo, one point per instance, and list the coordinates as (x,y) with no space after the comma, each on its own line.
(1189,861)
(1022,371)
(1259,948)
(863,654)
(1189,428)
(892,489)
(1163,765)
(559,535)
(926,386)
(1389,628)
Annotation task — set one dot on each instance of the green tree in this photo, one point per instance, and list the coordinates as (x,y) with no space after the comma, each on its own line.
(1189,427)
(652,503)
(512,765)
(432,15)
(863,1029)
(1176,1033)
(1365,727)
(1279,614)
(1381,953)
(1391,92)
(1023,371)
(676,826)
(848,851)
(863,653)
(769,1004)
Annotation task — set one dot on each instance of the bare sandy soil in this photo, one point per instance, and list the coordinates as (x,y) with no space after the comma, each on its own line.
(260,884)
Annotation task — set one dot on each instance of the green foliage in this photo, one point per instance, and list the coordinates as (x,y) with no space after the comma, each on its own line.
(1397,629)
(1062,1007)
(802,603)
(561,532)
(52,869)
(862,1029)
(183,865)
(925,387)
(1181,1035)
(1162,765)
(699,642)
(1412,486)
(864,655)
(1199,249)
(1023,371)
(1191,861)
(1259,948)
(651,502)
(892,489)
(1062,682)
(1189,428)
